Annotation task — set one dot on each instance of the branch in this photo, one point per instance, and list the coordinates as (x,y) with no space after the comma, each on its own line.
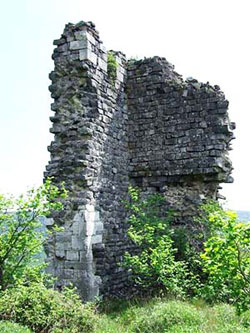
(16,238)
(21,259)
(239,264)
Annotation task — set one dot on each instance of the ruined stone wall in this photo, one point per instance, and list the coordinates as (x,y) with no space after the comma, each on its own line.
(148,127)
(90,154)
(179,135)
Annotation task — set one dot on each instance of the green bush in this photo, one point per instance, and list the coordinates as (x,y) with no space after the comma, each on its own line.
(226,259)
(8,327)
(163,317)
(166,260)
(159,315)
(154,267)
(21,236)
(245,319)
(46,310)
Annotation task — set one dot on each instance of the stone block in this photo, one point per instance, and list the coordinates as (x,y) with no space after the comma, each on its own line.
(102,64)
(103,48)
(59,41)
(62,246)
(77,243)
(96,239)
(78,225)
(49,222)
(87,54)
(99,227)
(78,44)
(119,76)
(89,217)
(72,255)
(84,35)
(60,254)
(90,208)
(63,236)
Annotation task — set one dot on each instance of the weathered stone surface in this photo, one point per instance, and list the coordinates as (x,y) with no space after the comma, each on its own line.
(149,128)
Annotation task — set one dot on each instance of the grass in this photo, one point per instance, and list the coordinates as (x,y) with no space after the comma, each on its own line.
(8,327)
(161,316)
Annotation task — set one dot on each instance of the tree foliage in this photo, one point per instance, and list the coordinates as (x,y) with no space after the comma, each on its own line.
(219,270)
(226,258)
(21,233)
(154,267)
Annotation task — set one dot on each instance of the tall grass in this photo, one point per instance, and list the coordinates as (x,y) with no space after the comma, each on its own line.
(160,316)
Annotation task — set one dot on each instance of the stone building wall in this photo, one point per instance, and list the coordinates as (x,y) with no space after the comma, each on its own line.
(179,135)
(90,154)
(148,127)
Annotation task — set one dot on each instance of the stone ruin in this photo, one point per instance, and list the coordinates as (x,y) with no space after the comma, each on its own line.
(137,122)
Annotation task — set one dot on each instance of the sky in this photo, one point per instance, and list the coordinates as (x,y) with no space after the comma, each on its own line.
(208,40)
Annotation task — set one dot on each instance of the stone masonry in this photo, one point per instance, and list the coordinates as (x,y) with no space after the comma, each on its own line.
(147,127)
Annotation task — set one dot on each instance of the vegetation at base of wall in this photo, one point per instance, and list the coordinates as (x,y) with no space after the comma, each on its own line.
(25,297)
(8,327)
(159,315)
(219,271)
(112,67)
(163,264)
(46,310)
(226,259)
(156,315)
(154,267)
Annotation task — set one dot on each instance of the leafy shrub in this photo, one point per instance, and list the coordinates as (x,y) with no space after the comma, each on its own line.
(164,316)
(219,270)
(154,267)
(21,238)
(8,327)
(159,315)
(245,319)
(226,259)
(46,310)
(187,252)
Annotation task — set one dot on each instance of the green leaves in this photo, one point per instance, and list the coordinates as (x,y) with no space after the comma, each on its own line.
(112,67)
(21,231)
(226,259)
(223,272)
(155,266)
(46,310)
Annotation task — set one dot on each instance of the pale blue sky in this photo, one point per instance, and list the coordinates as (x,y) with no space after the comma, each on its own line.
(208,40)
